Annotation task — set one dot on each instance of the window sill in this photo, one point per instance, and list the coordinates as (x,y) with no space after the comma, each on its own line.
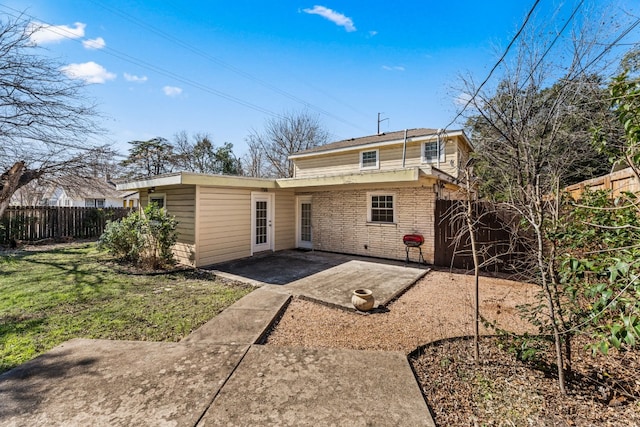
(381,224)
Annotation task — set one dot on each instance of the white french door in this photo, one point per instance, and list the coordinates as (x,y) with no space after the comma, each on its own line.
(304,235)
(261,222)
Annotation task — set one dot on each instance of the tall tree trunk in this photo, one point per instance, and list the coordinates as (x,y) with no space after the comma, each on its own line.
(10,181)
(552,311)
(476,270)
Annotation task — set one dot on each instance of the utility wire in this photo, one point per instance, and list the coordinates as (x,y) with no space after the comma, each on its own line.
(162,71)
(497,64)
(553,42)
(220,62)
(139,62)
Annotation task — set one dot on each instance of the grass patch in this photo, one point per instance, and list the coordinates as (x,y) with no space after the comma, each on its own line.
(47,298)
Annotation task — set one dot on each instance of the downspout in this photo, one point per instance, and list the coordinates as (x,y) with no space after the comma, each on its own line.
(404,149)
(438,145)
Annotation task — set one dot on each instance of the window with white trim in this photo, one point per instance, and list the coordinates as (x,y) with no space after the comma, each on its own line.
(158,198)
(430,152)
(381,208)
(369,159)
(94,203)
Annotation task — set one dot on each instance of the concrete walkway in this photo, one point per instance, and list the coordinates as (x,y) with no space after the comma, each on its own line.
(216,376)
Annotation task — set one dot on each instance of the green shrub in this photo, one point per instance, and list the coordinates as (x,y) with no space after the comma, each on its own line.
(142,238)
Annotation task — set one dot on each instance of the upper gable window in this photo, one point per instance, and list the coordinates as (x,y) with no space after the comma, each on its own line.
(431,153)
(369,159)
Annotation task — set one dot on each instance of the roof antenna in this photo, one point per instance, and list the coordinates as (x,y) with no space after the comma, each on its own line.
(379,121)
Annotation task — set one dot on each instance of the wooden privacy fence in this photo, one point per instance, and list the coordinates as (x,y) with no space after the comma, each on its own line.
(494,238)
(617,182)
(44,222)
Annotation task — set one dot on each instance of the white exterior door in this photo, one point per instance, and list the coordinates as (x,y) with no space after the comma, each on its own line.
(304,235)
(261,222)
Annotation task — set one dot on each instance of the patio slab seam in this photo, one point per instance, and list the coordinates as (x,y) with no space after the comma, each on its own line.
(401,291)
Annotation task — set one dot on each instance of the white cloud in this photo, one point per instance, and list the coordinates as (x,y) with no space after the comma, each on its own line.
(333,16)
(394,68)
(90,72)
(45,33)
(97,43)
(373,34)
(133,78)
(462,99)
(172,90)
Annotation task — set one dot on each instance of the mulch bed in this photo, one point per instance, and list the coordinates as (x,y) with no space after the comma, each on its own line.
(503,391)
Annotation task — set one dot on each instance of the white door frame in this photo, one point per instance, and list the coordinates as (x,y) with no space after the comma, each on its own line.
(269,244)
(299,242)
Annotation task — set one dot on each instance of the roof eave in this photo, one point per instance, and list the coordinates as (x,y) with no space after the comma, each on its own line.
(188,178)
(378,177)
(427,137)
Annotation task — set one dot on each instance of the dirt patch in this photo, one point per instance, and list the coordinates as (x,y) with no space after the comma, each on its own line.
(439,306)
(501,390)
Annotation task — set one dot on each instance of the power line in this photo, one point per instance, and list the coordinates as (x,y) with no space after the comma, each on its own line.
(128,58)
(613,43)
(497,64)
(167,73)
(220,62)
(553,42)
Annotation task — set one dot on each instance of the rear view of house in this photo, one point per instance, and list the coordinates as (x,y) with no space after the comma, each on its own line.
(357,196)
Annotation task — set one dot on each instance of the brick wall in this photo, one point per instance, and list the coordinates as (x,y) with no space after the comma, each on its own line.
(339,221)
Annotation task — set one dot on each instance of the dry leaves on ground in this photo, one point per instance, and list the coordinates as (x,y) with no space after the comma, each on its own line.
(500,390)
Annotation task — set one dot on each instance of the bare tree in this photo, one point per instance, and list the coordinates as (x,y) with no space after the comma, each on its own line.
(527,146)
(45,120)
(253,163)
(269,150)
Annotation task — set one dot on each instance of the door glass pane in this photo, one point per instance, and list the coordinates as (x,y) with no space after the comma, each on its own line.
(305,222)
(261,222)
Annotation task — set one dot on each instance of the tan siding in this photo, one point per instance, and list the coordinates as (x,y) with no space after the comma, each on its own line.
(328,165)
(390,158)
(180,202)
(285,220)
(224,225)
(185,253)
(339,220)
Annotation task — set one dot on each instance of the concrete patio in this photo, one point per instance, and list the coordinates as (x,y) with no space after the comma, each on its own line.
(218,375)
(323,276)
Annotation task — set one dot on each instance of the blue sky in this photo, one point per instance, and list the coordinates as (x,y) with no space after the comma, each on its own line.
(159,67)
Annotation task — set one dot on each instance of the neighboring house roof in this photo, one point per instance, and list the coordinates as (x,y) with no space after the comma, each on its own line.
(381,139)
(79,188)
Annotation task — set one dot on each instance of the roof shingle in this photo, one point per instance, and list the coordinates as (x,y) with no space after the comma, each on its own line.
(371,139)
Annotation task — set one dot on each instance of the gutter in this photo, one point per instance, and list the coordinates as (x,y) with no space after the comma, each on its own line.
(404,149)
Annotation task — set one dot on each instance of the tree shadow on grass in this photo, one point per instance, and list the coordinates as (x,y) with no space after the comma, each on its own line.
(72,263)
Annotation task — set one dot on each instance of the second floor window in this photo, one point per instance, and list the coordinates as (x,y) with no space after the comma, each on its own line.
(431,152)
(369,159)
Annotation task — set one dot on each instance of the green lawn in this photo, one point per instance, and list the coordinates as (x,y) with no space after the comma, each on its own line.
(49,297)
